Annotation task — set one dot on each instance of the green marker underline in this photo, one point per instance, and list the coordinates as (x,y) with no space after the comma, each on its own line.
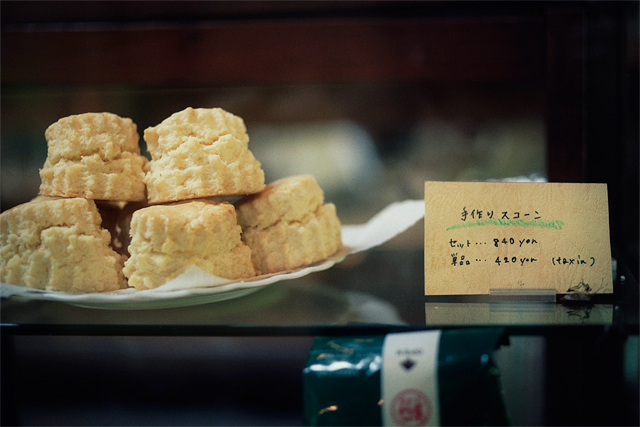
(537,223)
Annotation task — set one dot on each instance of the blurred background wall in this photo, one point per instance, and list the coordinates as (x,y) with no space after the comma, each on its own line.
(372,97)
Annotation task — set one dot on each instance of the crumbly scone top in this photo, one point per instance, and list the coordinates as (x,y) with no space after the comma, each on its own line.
(105,134)
(49,212)
(184,223)
(202,125)
(287,199)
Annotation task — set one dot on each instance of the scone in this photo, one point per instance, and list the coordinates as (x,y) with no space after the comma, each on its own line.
(167,239)
(288,225)
(58,244)
(198,153)
(95,156)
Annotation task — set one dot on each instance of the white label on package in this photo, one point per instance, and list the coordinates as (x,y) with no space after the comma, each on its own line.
(410,379)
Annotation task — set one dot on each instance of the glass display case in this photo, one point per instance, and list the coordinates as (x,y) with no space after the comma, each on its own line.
(373,99)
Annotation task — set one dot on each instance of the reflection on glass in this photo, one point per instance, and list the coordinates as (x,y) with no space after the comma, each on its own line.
(517,314)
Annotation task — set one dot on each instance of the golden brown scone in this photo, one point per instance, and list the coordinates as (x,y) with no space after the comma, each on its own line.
(200,153)
(167,239)
(110,212)
(95,156)
(57,244)
(287,225)
(288,199)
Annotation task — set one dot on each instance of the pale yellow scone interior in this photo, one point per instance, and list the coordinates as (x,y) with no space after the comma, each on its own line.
(95,156)
(288,225)
(58,244)
(201,152)
(167,239)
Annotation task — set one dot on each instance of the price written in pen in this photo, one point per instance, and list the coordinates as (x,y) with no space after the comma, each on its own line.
(458,259)
(461,259)
(496,242)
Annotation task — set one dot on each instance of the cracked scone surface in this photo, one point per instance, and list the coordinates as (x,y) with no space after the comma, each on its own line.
(58,245)
(167,239)
(288,225)
(201,152)
(95,156)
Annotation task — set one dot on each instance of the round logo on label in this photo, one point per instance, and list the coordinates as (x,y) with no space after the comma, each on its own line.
(411,407)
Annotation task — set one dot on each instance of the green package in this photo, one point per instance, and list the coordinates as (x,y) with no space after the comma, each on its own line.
(342,380)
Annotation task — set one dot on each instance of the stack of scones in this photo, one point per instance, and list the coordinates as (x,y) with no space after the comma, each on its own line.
(107,218)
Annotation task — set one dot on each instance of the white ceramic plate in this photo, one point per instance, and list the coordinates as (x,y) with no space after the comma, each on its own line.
(201,289)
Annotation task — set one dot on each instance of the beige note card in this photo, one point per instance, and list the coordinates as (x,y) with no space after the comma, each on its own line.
(506,235)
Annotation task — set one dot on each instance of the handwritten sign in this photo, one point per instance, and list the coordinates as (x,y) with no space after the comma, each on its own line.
(505,235)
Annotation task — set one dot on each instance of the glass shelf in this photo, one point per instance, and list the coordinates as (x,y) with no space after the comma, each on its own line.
(372,294)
